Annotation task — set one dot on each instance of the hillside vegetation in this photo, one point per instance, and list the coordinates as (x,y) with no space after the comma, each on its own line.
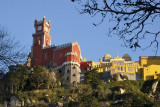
(95,92)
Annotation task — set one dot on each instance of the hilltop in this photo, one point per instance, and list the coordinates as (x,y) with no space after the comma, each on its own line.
(94,92)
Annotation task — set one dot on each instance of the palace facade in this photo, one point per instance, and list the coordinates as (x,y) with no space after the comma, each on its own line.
(67,59)
(148,67)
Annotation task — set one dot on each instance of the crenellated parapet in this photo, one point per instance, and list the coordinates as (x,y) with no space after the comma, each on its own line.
(71,63)
(70,53)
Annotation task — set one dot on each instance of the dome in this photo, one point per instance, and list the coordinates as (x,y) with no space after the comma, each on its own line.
(117,57)
(126,55)
(108,56)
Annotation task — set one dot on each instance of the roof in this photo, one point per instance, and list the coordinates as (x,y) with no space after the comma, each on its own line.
(117,57)
(126,55)
(108,55)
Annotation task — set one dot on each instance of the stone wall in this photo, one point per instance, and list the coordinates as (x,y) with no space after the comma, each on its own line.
(14,102)
(71,74)
(131,76)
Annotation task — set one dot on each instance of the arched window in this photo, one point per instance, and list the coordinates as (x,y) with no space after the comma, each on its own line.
(106,69)
(121,68)
(128,69)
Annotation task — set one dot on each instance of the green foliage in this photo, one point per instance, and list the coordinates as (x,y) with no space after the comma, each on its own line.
(115,76)
(125,77)
(92,78)
(39,79)
(55,78)
(15,79)
(93,93)
(104,93)
(85,95)
(147,86)
(88,100)
(128,85)
(133,100)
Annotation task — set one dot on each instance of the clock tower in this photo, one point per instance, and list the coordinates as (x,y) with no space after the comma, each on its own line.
(41,39)
(41,35)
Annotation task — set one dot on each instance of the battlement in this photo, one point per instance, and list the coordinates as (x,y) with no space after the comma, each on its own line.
(71,62)
(63,46)
(149,57)
(70,53)
(43,21)
(46,47)
(67,63)
(39,22)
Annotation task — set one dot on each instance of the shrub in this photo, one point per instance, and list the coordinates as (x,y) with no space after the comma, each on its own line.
(88,101)
(92,78)
(125,77)
(115,76)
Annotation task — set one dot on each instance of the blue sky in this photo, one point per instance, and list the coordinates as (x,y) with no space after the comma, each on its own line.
(67,25)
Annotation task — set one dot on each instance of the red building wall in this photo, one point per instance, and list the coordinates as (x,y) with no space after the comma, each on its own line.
(59,55)
(76,49)
(37,55)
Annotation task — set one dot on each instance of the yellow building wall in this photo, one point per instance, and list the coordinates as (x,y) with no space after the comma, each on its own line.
(148,67)
(154,61)
(151,72)
(143,61)
(94,64)
(149,61)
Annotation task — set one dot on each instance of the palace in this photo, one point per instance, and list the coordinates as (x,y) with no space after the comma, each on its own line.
(67,59)
(148,67)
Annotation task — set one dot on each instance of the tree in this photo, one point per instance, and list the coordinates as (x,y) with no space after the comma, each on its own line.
(132,19)
(11,82)
(23,75)
(39,78)
(10,51)
(16,78)
(92,78)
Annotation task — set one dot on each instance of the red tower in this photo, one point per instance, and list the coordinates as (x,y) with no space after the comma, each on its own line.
(41,39)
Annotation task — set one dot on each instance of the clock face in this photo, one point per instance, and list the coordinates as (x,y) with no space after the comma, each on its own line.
(39,28)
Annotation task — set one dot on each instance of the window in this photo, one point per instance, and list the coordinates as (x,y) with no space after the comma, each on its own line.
(60,71)
(45,56)
(74,74)
(128,69)
(106,69)
(67,78)
(76,53)
(67,71)
(53,55)
(121,68)
(47,42)
(60,55)
(118,68)
(136,69)
(74,67)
